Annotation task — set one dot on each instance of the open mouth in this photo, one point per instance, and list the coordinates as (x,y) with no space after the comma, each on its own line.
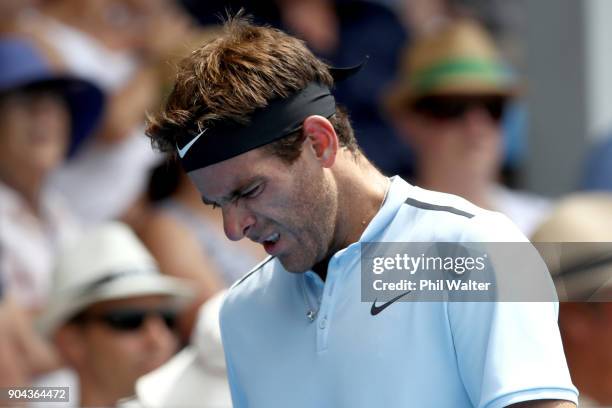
(270,243)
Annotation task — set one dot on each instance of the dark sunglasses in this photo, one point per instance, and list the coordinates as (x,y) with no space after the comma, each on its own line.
(130,319)
(454,107)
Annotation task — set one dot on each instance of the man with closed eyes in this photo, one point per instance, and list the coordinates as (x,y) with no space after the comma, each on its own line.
(253,122)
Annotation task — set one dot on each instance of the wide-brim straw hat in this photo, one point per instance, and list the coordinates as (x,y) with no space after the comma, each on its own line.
(579,253)
(457,58)
(107,263)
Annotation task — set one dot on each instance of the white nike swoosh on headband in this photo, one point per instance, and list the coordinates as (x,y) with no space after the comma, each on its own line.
(182,152)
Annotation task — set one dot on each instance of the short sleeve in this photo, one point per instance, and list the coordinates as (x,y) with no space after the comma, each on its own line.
(508,352)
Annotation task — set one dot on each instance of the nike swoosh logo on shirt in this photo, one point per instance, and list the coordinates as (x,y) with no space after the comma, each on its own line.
(182,152)
(377,309)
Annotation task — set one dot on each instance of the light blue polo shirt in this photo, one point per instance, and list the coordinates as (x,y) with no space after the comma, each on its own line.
(412,354)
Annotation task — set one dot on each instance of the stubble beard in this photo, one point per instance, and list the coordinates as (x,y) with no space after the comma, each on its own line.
(317,217)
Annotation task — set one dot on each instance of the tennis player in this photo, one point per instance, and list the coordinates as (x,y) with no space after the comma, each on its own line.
(253,121)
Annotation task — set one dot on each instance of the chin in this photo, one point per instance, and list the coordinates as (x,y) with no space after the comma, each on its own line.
(295,265)
(47,163)
(154,364)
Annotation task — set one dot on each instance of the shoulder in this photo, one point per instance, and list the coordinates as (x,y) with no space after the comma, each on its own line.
(435,216)
(247,289)
(267,263)
(424,203)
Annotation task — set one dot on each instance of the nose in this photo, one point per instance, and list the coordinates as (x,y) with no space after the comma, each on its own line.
(478,123)
(237,221)
(50,114)
(478,116)
(156,331)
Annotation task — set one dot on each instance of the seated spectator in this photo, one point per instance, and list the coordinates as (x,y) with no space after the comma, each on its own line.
(582,270)
(448,104)
(112,314)
(44,116)
(196,377)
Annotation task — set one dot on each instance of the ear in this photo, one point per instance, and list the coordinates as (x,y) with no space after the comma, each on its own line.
(323,139)
(70,343)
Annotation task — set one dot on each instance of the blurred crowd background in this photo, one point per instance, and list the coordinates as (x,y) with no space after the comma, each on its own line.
(107,253)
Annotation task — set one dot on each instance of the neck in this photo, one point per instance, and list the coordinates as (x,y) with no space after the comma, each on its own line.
(28,185)
(92,396)
(361,189)
(320,268)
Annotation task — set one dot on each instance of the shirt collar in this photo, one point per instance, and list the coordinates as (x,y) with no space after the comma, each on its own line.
(398,192)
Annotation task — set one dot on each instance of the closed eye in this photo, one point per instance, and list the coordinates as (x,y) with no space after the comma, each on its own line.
(252,192)
(210,203)
(249,193)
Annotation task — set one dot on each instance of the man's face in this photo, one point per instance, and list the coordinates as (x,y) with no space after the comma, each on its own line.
(114,355)
(35,131)
(289,209)
(461,133)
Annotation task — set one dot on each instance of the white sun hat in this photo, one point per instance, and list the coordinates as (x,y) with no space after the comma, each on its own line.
(195,377)
(109,262)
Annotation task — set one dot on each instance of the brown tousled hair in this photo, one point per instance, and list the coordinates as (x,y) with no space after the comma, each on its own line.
(229,77)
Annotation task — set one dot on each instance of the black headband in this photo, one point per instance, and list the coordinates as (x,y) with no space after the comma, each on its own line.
(281,117)
(223,140)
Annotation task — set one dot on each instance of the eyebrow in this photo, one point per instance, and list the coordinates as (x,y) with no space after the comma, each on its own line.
(234,194)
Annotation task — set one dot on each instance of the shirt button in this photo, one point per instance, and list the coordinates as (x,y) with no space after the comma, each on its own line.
(323,323)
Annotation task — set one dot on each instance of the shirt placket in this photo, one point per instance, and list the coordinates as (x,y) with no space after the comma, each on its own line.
(328,301)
